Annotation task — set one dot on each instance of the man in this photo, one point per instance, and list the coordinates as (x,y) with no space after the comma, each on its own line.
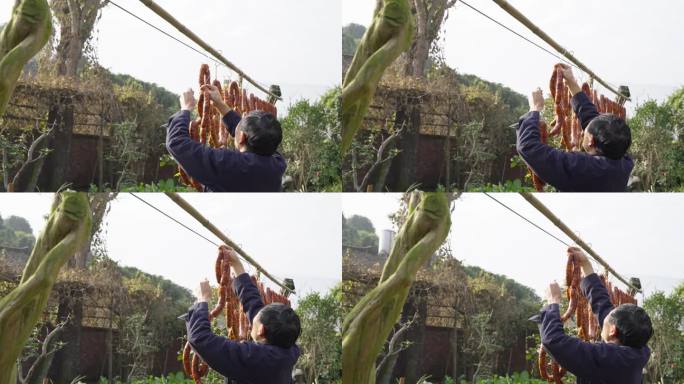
(255,166)
(272,353)
(625,331)
(603,167)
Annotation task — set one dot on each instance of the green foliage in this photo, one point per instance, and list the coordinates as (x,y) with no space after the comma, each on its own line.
(667,344)
(657,144)
(311,137)
(168,185)
(516,378)
(358,231)
(159,95)
(149,318)
(19,224)
(321,339)
(351,36)
(16,232)
(507,186)
(516,102)
(174,378)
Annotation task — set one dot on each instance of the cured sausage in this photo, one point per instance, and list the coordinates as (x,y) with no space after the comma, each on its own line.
(557,371)
(557,90)
(208,129)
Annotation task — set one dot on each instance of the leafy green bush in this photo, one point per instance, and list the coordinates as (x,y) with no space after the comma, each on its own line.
(508,186)
(168,185)
(516,378)
(174,378)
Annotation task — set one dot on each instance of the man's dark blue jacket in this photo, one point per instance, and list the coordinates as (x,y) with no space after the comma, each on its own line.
(245,362)
(223,170)
(594,363)
(571,171)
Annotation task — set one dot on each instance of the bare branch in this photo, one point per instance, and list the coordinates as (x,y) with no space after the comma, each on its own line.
(31,157)
(392,348)
(380,158)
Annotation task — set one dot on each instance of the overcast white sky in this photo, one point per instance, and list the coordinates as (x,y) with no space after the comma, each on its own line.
(291,235)
(640,235)
(626,42)
(293,43)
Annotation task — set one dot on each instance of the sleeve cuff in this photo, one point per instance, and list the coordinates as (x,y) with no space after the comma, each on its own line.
(579,99)
(231,120)
(551,307)
(588,281)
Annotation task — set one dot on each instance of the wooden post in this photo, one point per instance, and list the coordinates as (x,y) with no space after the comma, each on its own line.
(542,35)
(192,36)
(558,223)
(213,229)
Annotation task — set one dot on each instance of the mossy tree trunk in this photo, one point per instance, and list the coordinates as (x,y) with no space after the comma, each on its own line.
(388,36)
(67,229)
(367,326)
(25,34)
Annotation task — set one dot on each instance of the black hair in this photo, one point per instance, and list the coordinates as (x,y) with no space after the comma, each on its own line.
(612,134)
(634,327)
(281,325)
(263,132)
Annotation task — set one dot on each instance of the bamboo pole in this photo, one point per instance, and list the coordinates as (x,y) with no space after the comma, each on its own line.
(558,223)
(537,31)
(213,229)
(192,36)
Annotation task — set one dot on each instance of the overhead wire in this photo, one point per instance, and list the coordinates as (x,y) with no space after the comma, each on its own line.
(519,35)
(253,269)
(594,262)
(525,38)
(216,62)
(528,220)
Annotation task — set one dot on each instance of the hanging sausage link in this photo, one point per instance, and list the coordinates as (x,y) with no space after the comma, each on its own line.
(585,320)
(237,323)
(208,128)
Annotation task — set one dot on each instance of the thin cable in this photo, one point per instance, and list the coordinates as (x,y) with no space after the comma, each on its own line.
(177,222)
(526,219)
(167,34)
(196,233)
(519,35)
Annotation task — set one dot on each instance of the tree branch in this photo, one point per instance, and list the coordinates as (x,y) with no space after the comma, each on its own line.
(31,156)
(396,337)
(380,159)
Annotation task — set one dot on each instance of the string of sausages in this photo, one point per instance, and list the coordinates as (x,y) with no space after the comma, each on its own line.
(208,128)
(566,123)
(585,320)
(237,323)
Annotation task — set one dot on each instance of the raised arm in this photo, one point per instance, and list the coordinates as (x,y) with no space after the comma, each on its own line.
(583,107)
(203,164)
(547,162)
(230,118)
(575,355)
(592,287)
(229,358)
(243,285)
